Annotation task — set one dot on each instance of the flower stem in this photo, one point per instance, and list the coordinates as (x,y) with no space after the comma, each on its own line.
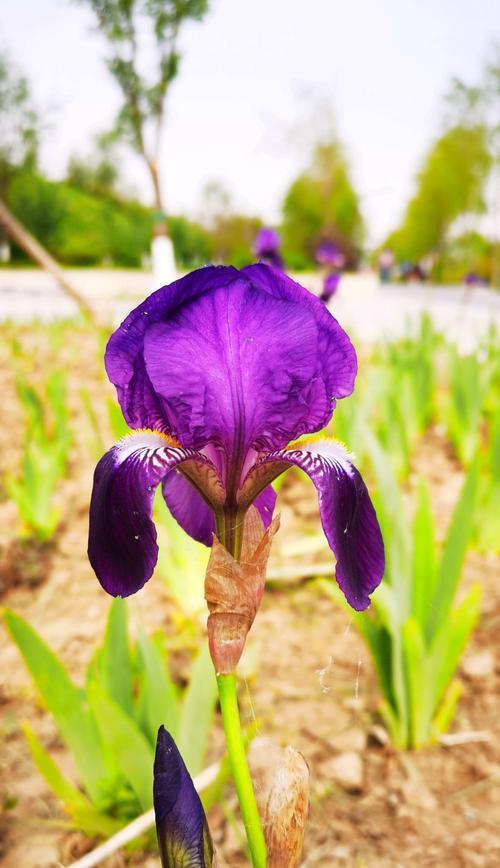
(232,728)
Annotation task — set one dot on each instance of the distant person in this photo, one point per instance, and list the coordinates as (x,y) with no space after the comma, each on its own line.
(385,266)
(267,247)
(331,259)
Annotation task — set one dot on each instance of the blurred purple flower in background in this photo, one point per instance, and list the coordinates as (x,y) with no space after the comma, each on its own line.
(183,835)
(267,247)
(328,254)
(217,373)
(330,286)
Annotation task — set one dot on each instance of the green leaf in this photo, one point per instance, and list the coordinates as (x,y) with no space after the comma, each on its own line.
(446,712)
(66,703)
(423,561)
(182,562)
(450,641)
(116,421)
(379,642)
(419,681)
(197,711)
(158,699)
(453,554)
(60,786)
(115,659)
(124,741)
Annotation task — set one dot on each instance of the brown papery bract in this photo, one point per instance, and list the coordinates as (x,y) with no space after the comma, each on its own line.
(281,779)
(233,591)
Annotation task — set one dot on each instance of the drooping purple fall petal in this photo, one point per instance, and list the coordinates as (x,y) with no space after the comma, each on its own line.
(347,514)
(122,537)
(183,835)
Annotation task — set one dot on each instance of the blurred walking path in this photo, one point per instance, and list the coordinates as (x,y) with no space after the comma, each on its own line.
(364,307)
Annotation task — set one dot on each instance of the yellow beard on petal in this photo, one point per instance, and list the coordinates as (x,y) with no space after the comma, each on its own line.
(171,441)
(316,438)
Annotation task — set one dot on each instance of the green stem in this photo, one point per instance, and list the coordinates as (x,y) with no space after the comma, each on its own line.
(232,728)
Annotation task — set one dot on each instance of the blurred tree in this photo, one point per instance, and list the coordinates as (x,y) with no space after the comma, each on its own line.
(450,184)
(20,128)
(97,175)
(127,25)
(322,203)
(233,237)
(80,227)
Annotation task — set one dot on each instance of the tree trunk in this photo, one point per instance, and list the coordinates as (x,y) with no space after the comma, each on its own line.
(42,258)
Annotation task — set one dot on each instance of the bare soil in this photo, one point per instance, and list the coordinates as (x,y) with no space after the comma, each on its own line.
(308,679)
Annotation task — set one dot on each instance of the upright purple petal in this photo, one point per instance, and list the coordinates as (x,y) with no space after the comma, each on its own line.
(347,514)
(122,537)
(124,358)
(238,367)
(243,359)
(337,363)
(183,834)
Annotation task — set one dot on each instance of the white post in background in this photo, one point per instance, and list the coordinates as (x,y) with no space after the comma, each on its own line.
(162,254)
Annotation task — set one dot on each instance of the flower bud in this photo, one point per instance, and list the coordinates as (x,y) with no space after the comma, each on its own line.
(281,779)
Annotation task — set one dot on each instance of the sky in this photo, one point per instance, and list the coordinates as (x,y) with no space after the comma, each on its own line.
(240,111)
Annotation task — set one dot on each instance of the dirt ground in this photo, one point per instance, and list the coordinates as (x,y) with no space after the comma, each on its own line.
(309,681)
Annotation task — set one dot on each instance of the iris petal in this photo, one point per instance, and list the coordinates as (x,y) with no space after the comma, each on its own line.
(240,358)
(124,358)
(193,513)
(337,363)
(236,367)
(183,834)
(122,537)
(347,514)
(188,508)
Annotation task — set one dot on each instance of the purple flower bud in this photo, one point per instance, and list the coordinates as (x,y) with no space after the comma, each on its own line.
(181,826)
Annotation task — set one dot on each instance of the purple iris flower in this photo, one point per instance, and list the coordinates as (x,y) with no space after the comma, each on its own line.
(267,247)
(217,373)
(330,286)
(183,835)
(328,254)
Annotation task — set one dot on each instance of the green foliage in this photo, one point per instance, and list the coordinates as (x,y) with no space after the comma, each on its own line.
(78,228)
(462,405)
(20,123)
(47,442)
(110,725)
(321,201)
(182,562)
(450,184)
(487,516)
(468,253)
(395,397)
(414,631)
(82,224)
(123,24)
(193,245)
(232,238)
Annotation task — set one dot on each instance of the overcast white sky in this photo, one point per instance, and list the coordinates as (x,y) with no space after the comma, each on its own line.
(383,66)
